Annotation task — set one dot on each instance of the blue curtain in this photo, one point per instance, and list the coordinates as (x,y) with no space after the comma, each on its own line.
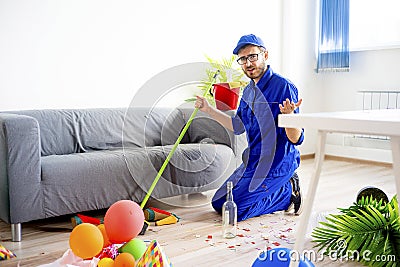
(333,43)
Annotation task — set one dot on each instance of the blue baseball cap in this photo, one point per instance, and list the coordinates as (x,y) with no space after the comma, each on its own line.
(246,40)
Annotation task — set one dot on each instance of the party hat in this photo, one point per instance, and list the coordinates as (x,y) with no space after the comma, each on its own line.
(168,220)
(154,256)
(6,254)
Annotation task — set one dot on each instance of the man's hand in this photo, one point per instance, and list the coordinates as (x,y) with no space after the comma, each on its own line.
(202,104)
(287,106)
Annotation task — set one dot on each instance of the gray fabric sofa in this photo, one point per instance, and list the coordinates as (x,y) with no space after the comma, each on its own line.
(59,162)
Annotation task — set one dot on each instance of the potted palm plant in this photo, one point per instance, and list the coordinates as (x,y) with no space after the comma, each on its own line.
(366,231)
(229,84)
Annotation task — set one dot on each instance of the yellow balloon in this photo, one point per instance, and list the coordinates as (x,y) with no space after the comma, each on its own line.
(86,240)
(105,262)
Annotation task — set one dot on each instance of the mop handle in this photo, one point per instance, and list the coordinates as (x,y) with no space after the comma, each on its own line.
(160,172)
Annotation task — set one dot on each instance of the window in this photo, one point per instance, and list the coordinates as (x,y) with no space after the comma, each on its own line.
(333,39)
(374,24)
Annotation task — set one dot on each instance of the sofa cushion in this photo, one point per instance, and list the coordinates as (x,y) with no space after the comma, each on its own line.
(147,127)
(80,130)
(205,129)
(86,181)
(95,180)
(192,168)
(99,129)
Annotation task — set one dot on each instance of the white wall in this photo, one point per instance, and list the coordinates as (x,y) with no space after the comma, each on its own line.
(98,53)
(370,70)
(298,59)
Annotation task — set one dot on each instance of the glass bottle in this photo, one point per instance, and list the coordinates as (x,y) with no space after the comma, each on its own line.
(229,214)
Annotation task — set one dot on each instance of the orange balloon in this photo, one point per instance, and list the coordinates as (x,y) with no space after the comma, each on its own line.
(102,229)
(86,240)
(123,221)
(124,259)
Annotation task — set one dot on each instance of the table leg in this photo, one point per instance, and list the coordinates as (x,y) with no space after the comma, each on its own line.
(395,143)
(308,202)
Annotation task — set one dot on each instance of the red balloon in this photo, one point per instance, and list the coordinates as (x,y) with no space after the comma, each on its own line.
(123,221)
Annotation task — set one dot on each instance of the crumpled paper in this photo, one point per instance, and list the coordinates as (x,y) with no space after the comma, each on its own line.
(69,259)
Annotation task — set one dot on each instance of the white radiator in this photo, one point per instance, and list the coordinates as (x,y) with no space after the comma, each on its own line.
(362,146)
(379,100)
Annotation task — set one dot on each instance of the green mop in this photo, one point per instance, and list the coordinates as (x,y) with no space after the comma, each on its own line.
(160,172)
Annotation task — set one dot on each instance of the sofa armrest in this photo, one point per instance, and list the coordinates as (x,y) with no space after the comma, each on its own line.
(20,197)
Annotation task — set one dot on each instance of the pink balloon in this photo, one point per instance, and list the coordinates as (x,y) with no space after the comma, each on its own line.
(123,221)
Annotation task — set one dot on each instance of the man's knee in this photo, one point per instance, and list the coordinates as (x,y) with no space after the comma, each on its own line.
(217,204)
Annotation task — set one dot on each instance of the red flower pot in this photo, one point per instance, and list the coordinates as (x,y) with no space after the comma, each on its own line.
(226,98)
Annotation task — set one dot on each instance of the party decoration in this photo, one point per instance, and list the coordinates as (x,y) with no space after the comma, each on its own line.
(152,214)
(6,254)
(106,262)
(168,220)
(154,256)
(69,259)
(136,247)
(106,241)
(80,218)
(124,260)
(86,240)
(110,251)
(123,221)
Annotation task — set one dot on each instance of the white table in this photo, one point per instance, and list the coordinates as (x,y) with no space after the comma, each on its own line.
(374,122)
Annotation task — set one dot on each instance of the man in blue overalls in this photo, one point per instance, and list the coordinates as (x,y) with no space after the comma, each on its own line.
(266,181)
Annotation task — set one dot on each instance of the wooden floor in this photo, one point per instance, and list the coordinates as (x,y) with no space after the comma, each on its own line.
(196,239)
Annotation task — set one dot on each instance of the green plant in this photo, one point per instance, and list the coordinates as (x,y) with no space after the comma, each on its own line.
(368,228)
(227,74)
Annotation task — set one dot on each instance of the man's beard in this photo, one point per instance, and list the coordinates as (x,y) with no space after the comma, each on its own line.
(256,72)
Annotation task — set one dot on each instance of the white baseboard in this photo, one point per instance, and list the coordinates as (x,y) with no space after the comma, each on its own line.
(369,154)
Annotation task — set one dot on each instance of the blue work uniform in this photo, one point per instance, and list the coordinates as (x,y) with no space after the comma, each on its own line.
(261,182)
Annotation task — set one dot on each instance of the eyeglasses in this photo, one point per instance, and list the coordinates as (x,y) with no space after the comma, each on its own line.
(251,58)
